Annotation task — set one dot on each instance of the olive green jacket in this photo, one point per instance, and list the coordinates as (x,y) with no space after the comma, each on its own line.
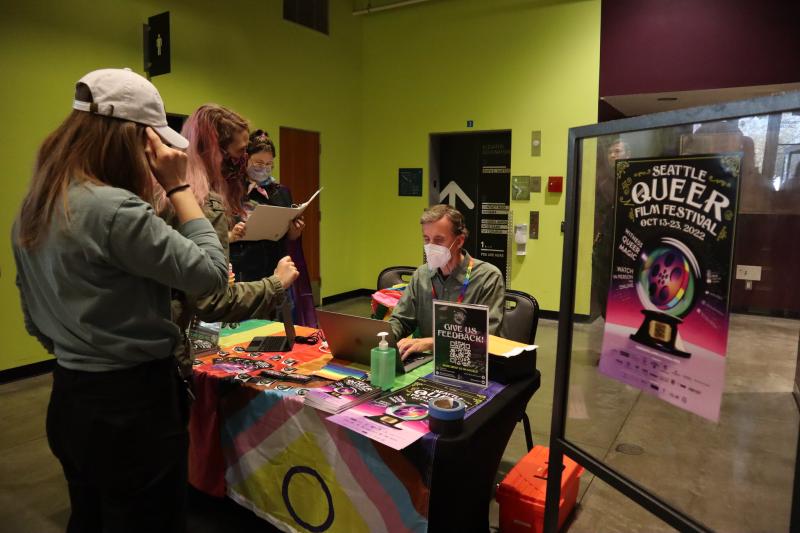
(237,302)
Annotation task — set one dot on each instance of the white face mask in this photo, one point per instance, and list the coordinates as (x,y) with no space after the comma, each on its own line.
(437,255)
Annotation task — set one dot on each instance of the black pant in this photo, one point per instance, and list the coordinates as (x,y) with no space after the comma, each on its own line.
(122,441)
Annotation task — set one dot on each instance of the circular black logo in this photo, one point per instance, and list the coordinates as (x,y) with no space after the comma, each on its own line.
(285,492)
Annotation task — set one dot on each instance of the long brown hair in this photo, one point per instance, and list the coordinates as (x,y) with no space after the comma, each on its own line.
(85,148)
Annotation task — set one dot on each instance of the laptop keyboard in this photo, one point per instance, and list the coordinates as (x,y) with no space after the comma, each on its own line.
(274,344)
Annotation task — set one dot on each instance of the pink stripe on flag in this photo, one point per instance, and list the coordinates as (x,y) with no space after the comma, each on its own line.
(371,486)
(270,421)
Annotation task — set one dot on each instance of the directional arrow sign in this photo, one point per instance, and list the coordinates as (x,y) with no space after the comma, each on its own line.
(452,191)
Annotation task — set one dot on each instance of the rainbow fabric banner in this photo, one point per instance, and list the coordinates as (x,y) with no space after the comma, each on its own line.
(259,444)
(289,465)
(335,372)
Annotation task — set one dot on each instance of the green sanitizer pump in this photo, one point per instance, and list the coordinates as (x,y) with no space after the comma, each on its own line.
(382,363)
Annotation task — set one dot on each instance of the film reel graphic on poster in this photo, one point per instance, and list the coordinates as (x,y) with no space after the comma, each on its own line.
(668,283)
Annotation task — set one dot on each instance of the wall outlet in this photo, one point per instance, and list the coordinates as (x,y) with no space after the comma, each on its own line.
(748,272)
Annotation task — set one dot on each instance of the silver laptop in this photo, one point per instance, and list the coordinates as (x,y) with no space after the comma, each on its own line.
(352,337)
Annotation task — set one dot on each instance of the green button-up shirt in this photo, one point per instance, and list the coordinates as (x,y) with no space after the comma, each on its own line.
(415,308)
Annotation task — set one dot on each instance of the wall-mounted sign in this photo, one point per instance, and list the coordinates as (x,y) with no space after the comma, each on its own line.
(453,192)
(521,188)
(534,225)
(536,143)
(410,181)
(157,45)
(495,230)
(666,326)
(474,176)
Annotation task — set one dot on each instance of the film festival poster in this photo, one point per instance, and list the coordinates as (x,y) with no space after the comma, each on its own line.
(666,329)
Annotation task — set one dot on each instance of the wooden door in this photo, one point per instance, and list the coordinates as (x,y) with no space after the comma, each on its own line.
(299,170)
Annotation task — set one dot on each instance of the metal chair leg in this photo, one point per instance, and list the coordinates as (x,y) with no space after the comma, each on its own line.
(526,426)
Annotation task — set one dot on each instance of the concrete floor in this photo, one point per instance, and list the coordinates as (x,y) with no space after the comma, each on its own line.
(732,476)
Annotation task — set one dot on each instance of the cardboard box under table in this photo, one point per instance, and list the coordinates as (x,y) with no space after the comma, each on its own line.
(261,446)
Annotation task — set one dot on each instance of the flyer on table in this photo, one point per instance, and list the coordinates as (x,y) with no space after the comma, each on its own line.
(339,395)
(666,329)
(460,342)
(399,418)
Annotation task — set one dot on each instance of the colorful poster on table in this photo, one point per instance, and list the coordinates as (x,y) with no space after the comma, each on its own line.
(399,418)
(666,329)
(342,394)
(460,342)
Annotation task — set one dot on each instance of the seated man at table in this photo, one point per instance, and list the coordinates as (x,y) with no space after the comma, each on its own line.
(450,274)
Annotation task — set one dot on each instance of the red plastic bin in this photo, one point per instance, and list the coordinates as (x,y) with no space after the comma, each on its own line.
(521,495)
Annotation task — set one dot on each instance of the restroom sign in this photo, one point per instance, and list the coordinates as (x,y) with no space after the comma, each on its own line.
(158,45)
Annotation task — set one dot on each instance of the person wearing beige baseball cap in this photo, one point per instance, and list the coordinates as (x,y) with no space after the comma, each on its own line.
(95,267)
(123,94)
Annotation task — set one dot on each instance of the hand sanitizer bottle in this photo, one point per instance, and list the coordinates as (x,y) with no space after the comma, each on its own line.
(382,360)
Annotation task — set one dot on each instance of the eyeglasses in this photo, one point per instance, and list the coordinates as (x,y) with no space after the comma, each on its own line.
(258,164)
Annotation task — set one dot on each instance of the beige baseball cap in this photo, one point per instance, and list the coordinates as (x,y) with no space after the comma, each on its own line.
(123,94)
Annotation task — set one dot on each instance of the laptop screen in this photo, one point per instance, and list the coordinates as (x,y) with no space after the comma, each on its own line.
(288,323)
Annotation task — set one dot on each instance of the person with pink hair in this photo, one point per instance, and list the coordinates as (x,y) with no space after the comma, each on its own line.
(216,166)
(218,140)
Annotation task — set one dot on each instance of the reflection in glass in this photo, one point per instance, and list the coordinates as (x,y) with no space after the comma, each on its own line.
(749,455)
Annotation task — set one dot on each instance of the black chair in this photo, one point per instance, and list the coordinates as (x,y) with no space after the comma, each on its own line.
(521,317)
(394,275)
(520,322)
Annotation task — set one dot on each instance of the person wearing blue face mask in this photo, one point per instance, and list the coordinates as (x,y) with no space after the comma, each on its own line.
(451,274)
(254,260)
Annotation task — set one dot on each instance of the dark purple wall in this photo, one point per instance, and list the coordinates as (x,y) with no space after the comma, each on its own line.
(678,45)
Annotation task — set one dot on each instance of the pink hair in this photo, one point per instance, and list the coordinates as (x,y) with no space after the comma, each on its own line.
(204,156)
(208,129)
(200,158)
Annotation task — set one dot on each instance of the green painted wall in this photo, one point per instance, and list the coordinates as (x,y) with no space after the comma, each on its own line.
(237,53)
(506,64)
(375,89)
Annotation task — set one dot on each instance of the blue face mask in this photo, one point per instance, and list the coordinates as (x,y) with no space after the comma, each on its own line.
(259,175)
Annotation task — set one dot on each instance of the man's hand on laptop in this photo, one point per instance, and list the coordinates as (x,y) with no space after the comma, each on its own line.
(408,346)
